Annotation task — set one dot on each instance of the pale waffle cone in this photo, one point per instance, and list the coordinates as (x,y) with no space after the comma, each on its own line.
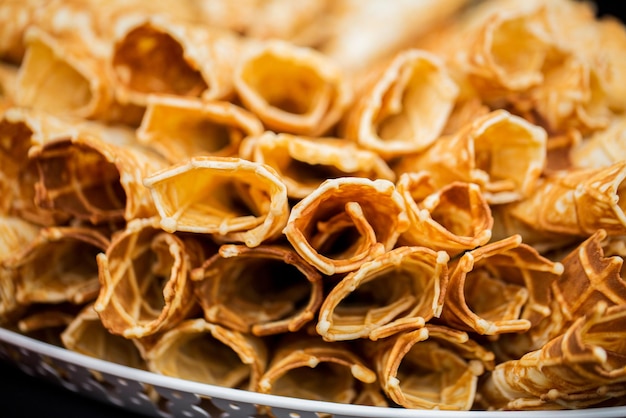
(180,127)
(65,74)
(569,205)
(15,234)
(25,129)
(144,280)
(402,108)
(161,55)
(402,288)
(357,50)
(96,174)
(581,368)
(72,251)
(434,367)
(16,16)
(322,226)
(602,149)
(292,89)
(301,367)
(208,353)
(233,199)
(518,279)
(225,289)
(303,163)
(86,335)
(500,152)
(453,218)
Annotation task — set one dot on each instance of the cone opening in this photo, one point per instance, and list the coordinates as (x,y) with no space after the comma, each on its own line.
(489,297)
(148,60)
(456,212)
(327,381)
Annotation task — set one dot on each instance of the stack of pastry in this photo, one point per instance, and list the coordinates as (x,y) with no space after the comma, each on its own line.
(256,193)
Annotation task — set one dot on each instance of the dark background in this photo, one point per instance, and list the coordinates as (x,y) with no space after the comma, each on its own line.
(22,396)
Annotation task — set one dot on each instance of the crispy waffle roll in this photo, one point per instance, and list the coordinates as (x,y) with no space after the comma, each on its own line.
(434,367)
(581,368)
(404,107)
(23,129)
(144,280)
(232,287)
(292,89)
(58,265)
(310,368)
(303,163)
(357,50)
(502,153)
(183,127)
(401,288)
(568,205)
(346,222)
(233,199)
(15,235)
(86,335)
(96,174)
(66,74)
(208,353)
(453,218)
(15,17)
(161,55)
(603,148)
(500,287)
(8,81)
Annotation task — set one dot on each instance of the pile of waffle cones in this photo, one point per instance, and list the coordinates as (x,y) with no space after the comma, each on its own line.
(291,198)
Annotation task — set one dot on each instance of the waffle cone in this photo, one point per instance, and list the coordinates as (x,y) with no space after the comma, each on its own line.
(206,195)
(207,353)
(477,154)
(144,281)
(372,209)
(86,335)
(300,368)
(304,163)
(155,54)
(434,367)
(180,127)
(96,174)
(292,89)
(581,368)
(402,288)
(296,289)
(602,149)
(17,16)
(403,108)
(454,218)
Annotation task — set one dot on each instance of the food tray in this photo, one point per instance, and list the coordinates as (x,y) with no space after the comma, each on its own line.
(164,397)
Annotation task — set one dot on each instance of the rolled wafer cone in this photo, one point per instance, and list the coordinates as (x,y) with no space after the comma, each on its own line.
(401,288)
(8,81)
(581,368)
(182,127)
(65,74)
(310,368)
(303,163)
(402,108)
(233,199)
(96,174)
(500,287)
(434,367)
(232,287)
(72,251)
(502,153)
(567,206)
(158,54)
(603,148)
(23,129)
(453,218)
(346,222)
(144,280)
(15,17)
(15,235)
(208,353)
(86,335)
(292,89)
